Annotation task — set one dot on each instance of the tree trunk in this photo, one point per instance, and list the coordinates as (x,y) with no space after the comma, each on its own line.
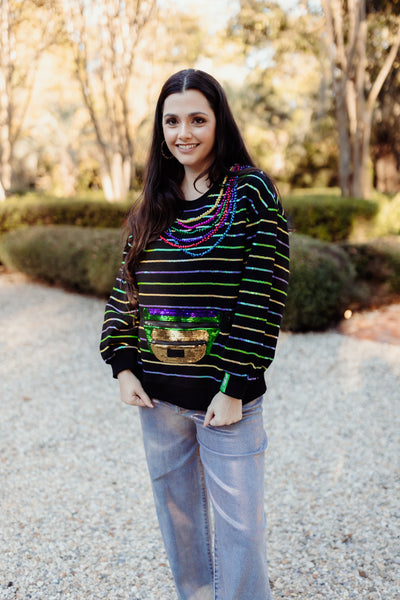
(346,27)
(5,161)
(365,162)
(16,76)
(387,174)
(116,177)
(105,87)
(2,193)
(361,134)
(344,144)
(5,145)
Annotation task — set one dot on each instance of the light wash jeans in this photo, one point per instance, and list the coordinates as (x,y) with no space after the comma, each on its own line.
(191,465)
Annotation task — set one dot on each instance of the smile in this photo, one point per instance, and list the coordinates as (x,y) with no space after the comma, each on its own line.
(186,146)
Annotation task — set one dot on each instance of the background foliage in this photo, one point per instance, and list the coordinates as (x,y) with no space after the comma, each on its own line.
(79,258)
(78,84)
(83,252)
(327,216)
(56,211)
(321,284)
(80,116)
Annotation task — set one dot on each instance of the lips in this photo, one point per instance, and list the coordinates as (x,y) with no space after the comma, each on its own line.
(186,147)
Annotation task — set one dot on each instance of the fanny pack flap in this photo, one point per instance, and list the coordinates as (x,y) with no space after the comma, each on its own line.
(180,336)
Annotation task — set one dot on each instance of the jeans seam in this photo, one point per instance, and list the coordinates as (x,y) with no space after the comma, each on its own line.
(216,573)
(205,513)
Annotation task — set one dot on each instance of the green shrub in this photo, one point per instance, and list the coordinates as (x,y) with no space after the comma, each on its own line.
(377,269)
(85,213)
(325,278)
(327,216)
(321,284)
(388,219)
(79,258)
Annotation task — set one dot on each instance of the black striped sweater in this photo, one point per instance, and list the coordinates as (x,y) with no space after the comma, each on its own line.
(232,285)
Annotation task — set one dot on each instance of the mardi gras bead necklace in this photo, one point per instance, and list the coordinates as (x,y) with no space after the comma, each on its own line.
(190,234)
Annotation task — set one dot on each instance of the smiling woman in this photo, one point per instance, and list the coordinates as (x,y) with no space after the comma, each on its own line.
(189,130)
(189,330)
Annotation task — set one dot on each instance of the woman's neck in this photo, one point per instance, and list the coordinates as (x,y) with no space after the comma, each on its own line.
(192,191)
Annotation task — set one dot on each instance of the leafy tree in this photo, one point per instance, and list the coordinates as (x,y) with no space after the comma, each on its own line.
(285,98)
(386,134)
(105,35)
(350,24)
(19,20)
(386,118)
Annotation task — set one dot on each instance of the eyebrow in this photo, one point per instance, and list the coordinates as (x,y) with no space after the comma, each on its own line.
(192,114)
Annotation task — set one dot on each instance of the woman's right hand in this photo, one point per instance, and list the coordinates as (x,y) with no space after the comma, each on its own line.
(132,391)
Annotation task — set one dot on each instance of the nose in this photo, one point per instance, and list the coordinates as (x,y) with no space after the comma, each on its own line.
(184,132)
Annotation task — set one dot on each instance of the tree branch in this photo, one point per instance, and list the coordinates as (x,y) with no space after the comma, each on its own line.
(384,72)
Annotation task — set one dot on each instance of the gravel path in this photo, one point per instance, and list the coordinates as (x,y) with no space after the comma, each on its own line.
(77,519)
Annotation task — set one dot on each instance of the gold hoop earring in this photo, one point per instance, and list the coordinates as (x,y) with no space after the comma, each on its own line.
(167,156)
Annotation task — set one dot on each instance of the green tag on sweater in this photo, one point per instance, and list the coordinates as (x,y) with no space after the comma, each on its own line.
(224,383)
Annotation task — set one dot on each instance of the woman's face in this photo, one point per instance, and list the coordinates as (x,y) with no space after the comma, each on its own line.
(189,124)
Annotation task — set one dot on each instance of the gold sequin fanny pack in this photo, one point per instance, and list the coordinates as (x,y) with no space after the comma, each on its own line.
(180,336)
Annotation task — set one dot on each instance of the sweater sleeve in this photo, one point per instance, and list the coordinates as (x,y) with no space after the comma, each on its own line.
(119,337)
(250,347)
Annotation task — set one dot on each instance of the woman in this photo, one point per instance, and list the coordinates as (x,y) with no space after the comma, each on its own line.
(189,330)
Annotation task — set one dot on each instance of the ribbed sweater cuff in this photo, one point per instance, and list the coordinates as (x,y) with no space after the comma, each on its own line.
(234,386)
(125,360)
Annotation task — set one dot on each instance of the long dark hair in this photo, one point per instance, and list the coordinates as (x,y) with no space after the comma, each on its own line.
(162,196)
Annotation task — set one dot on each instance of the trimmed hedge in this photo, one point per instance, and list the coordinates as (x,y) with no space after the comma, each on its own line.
(87,260)
(328,217)
(321,284)
(388,219)
(321,214)
(84,213)
(82,259)
(325,278)
(377,270)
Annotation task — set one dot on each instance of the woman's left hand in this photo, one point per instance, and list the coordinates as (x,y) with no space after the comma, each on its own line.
(223,410)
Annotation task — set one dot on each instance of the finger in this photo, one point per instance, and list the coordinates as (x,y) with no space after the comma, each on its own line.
(146,401)
(144,398)
(209,416)
(133,400)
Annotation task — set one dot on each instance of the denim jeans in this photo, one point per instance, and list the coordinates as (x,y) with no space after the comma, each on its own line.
(192,467)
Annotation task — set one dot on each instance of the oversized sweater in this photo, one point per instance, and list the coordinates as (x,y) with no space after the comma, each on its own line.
(229,284)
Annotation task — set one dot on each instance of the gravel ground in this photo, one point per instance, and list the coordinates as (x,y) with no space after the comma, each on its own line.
(77,519)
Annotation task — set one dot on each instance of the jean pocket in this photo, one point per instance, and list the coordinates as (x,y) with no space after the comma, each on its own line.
(251,406)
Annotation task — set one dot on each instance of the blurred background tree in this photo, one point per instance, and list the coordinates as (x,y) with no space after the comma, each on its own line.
(105,37)
(285,99)
(99,66)
(316,93)
(386,118)
(26,31)
(363,40)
